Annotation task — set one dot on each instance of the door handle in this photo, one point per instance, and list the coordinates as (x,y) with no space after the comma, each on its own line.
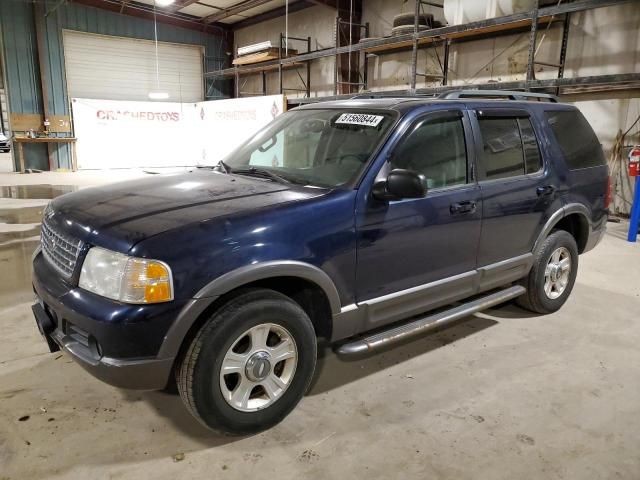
(546,190)
(462,208)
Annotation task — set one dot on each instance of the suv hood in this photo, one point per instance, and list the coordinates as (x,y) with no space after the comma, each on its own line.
(118,216)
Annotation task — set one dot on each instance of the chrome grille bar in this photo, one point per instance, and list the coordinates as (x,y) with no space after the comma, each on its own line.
(61,251)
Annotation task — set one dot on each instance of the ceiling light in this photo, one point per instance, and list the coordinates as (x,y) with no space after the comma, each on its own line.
(164,3)
(158,95)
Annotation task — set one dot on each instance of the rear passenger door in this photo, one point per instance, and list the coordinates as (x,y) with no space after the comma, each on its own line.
(517,188)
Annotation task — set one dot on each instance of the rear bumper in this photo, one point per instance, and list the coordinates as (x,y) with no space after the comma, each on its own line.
(596,234)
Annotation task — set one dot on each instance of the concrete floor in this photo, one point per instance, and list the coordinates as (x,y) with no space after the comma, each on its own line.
(504,394)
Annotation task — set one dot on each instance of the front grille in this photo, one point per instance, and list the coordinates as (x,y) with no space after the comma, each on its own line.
(61,251)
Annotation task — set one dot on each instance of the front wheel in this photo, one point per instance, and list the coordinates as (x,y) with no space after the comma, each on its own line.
(250,364)
(552,275)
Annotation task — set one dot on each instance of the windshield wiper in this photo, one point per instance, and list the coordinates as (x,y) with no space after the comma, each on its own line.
(223,167)
(260,172)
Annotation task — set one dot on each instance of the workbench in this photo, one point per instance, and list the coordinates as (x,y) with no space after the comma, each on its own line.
(22,140)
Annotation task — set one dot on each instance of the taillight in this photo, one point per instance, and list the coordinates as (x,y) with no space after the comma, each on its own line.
(607,197)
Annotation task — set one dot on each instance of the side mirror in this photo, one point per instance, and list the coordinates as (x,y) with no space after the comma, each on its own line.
(400,184)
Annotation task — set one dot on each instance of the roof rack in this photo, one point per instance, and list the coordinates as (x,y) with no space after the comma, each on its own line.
(504,94)
(372,95)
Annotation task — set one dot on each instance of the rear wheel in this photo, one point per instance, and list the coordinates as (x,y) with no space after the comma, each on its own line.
(552,275)
(250,364)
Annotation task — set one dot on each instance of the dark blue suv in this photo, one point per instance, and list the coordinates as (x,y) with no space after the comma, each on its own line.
(361,222)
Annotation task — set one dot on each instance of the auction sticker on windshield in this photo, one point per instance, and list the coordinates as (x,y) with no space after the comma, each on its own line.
(360,119)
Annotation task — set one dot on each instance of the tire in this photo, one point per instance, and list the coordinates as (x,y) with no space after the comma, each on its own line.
(405,19)
(407,29)
(210,397)
(537,299)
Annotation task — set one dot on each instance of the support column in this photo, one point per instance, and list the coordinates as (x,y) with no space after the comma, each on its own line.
(39,14)
(349,75)
(532,45)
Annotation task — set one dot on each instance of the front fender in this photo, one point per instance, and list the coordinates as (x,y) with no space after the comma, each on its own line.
(235,279)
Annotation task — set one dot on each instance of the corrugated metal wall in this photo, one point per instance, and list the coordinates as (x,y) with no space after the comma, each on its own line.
(17,25)
(21,68)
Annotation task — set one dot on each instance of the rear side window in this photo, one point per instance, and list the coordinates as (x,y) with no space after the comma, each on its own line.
(510,147)
(579,145)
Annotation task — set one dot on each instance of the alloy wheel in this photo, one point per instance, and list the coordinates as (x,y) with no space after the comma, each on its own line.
(557,272)
(258,367)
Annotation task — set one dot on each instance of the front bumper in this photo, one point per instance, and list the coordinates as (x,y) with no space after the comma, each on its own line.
(139,374)
(119,344)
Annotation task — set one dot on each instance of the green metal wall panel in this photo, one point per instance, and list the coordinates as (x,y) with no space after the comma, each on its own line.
(21,68)
(17,26)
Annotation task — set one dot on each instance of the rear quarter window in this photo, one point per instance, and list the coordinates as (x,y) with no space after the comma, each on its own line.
(579,144)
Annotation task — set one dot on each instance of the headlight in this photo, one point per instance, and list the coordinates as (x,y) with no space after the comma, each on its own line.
(126,279)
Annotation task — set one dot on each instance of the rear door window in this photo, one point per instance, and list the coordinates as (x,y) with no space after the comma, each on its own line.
(579,144)
(509,147)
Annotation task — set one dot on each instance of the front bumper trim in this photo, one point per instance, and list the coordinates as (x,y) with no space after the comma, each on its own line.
(137,374)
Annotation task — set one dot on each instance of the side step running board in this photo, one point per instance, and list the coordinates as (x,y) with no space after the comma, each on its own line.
(428,323)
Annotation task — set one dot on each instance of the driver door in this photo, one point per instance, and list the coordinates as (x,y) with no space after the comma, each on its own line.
(418,254)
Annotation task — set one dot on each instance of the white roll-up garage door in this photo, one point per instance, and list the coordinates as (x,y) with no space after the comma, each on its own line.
(118,68)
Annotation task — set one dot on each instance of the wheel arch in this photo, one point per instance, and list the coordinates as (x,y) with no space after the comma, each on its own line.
(574,219)
(305,284)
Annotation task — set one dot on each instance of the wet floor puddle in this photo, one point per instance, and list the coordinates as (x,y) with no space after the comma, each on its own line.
(24,215)
(15,264)
(19,236)
(24,192)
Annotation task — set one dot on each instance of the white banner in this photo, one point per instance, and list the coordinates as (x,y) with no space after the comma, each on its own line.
(225,124)
(122,134)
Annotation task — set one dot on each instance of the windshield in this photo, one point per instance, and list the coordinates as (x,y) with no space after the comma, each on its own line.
(325,148)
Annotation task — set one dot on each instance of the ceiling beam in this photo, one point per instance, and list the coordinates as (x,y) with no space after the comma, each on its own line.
(234,10)
(271,14)
(144,11)
(174,7)
(333,4)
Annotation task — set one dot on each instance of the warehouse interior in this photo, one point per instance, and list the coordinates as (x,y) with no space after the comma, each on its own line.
(95,93)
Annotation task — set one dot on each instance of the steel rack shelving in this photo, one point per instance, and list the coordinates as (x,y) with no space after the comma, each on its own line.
(519,22)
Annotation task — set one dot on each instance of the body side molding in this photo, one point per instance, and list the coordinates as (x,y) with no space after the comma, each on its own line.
(376,312)
(428,323)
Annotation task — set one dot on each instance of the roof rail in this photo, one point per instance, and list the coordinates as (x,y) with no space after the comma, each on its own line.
(372,95)
(505,94)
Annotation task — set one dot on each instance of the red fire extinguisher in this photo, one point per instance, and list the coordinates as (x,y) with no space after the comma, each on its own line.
(634,161)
